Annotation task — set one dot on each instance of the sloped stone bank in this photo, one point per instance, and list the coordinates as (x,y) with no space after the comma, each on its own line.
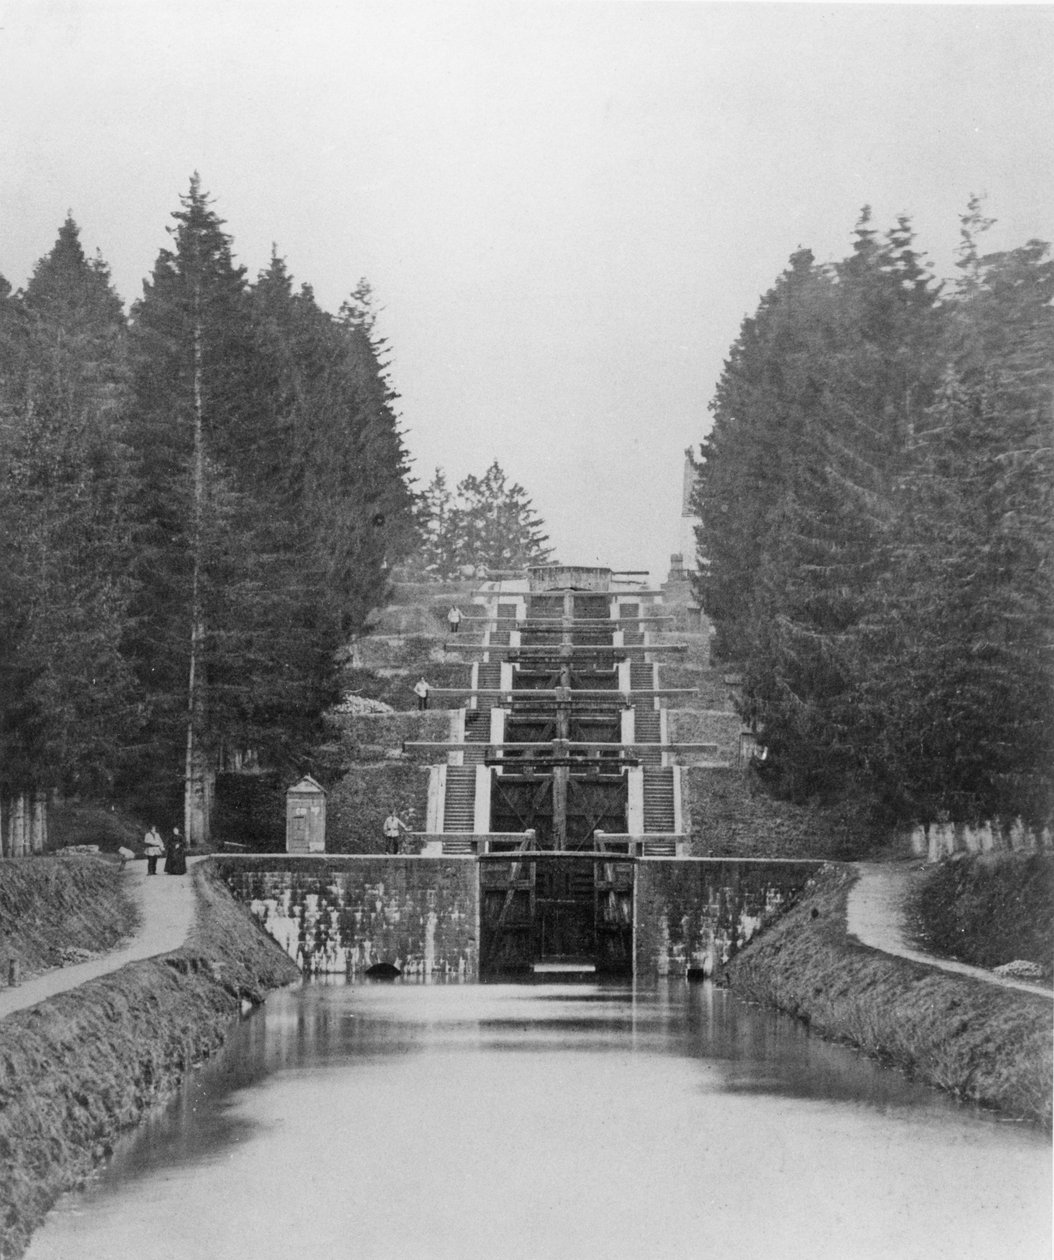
(82,1067)
(983,1043)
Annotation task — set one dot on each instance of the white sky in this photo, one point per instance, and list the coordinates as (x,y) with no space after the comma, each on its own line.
(565,209)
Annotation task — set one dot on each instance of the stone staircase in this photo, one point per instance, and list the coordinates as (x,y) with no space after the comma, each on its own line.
(658,798)
(459,811)
(665,846)
(642,676)
(489,676)
(477,735)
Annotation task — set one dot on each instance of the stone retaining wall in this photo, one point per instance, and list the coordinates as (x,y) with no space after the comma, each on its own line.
(693,914)
(421,914)
(346,914)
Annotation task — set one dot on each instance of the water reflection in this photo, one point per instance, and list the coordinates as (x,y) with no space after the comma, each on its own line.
(550,1121)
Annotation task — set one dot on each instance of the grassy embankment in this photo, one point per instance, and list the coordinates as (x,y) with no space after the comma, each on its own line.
(56,910)
(984,1043)
(80,1068)
(989,909)
(370,776)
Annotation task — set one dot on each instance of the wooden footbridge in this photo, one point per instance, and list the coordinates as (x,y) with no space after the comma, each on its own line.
(558,774)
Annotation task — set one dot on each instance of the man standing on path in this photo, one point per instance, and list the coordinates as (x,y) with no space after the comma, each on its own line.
(453,618)
(421,690)
(154,848)
(393,824)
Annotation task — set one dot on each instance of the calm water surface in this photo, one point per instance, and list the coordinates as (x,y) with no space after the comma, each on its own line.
(426,1122)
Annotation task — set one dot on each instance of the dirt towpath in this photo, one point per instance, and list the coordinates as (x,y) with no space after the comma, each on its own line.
(876,916)
(166,903)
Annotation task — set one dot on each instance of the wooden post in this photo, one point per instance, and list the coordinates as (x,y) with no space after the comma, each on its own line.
(560,776)
(38,826)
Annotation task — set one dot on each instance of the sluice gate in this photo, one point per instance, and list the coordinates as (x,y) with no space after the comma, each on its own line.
(558,776)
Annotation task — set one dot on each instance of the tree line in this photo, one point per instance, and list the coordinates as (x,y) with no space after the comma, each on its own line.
(876,499)
(485,523)
(199,505)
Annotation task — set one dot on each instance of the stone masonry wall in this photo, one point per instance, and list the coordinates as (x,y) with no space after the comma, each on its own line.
(693,914)
(346,914)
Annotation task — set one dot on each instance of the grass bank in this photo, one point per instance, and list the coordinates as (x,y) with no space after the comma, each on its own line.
(983,1043)
(79,1069)
(989,908)
(731,813)
(60,908)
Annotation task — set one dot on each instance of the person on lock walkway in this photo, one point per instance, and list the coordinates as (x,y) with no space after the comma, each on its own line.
(393,825)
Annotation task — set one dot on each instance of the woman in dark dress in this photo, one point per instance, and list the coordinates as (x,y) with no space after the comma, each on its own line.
(176,855)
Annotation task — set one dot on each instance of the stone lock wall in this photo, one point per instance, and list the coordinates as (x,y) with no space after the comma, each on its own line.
(343,915)
(692,914)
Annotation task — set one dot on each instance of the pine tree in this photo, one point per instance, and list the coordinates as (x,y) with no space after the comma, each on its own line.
(487,524)
(331,465)
(961,648)
(812,420)
(195,372)
(438,552)
(759,412)
(64,500)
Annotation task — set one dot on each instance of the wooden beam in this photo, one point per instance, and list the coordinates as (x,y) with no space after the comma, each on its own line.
(428,745)
(547,651)
(552,693)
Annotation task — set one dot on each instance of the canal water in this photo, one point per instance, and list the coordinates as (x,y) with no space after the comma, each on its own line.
(433,1122)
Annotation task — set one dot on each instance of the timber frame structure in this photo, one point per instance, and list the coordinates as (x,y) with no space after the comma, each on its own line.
(557,775)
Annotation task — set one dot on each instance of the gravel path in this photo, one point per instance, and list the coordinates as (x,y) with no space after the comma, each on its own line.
(875,915)
(167,906)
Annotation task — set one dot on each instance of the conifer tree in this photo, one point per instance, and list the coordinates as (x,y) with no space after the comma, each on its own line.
(487,524)
(796,494)
(64,507)
(958,670)
(195,371)
(333,469)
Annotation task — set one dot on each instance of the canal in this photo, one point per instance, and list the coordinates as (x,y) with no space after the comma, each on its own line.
(427,1122)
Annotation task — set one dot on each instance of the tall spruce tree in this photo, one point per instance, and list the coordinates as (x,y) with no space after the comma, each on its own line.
(958,668)
(195,373)
(812,420)
(760,406)
(64,492)
(331,465)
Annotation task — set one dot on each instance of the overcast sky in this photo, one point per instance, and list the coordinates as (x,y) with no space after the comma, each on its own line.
(565,209)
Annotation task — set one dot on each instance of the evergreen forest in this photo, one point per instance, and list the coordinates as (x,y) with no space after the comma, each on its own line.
(200,503)
(876,506)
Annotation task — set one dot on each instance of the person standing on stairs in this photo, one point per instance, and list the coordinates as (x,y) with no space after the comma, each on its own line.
(453,619)
(421,690)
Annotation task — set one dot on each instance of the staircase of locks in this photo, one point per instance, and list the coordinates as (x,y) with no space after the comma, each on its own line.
(558,773)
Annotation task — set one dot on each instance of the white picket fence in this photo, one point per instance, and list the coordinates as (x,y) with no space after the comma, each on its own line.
(942,839)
